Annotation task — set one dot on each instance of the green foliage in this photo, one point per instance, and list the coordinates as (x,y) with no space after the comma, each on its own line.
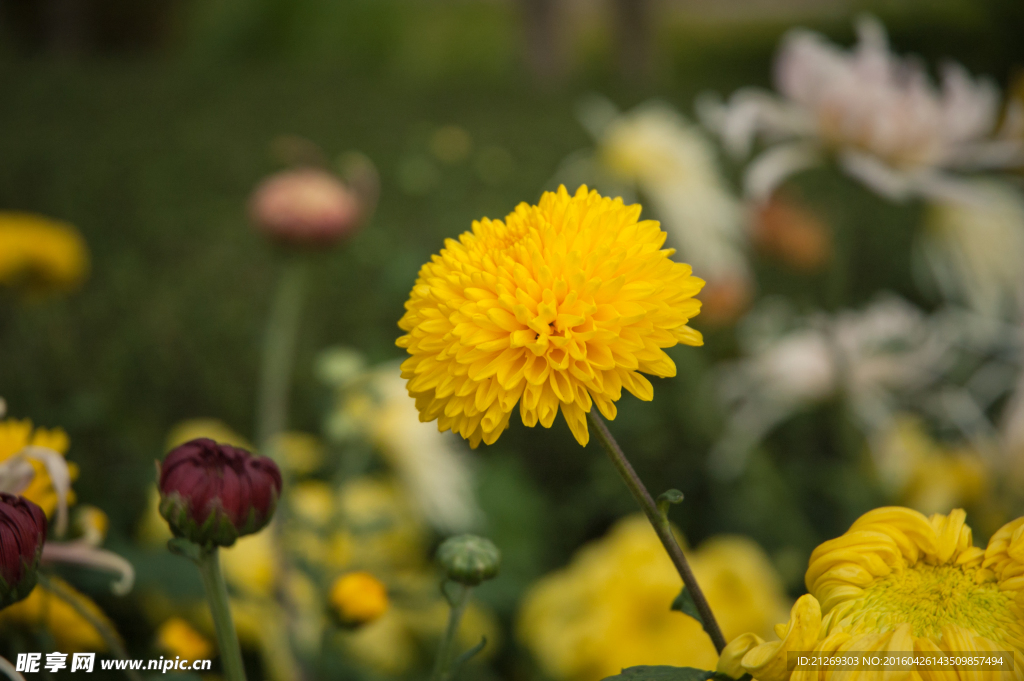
(684,603)
(666,673)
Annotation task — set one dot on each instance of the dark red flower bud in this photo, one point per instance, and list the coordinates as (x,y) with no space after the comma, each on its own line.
(306,207)
(212,494)
(22,533)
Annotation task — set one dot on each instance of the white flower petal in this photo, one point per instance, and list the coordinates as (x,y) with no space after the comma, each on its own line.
(84,554)
(16,474)
(60,476)
(769,170)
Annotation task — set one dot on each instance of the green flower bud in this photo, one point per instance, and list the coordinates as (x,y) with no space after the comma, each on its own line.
(469,559)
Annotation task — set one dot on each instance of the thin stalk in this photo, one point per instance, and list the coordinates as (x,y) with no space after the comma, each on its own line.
(106,632)
(217,595)
(442,667)
(279,354)
(661,526)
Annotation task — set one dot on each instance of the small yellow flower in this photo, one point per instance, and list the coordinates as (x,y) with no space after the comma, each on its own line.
(394,644)
(558,307)
(43,609)
(900,582)
(358,598)
(15,435)
(610,608)
(40,253)
(177,637)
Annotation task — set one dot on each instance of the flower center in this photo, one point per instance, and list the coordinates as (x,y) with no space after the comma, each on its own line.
(928,597)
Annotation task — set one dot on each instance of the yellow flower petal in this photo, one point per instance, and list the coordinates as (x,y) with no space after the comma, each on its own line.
(561,305)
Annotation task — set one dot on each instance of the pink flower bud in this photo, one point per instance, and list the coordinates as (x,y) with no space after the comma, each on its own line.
(305,207)
(22,533)
(212,494)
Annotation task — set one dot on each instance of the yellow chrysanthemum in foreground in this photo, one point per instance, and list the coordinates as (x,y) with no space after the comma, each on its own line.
(900,582)
(15,435)
(560,306)
(610,608)
(40,253)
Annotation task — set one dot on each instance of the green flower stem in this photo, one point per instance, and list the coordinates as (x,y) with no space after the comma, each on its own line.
(217,595)
(279,354)
(660,524)
(105,631)
(443,665)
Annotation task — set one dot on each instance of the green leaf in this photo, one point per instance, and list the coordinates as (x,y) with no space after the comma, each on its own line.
(684,604)
(664,673)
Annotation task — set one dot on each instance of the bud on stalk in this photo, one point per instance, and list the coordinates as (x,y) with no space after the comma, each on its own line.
(22,534)
(211,494)
(469,559)
(306,207)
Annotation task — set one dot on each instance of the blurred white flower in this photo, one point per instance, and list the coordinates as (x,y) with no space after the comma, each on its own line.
(886,123)
(974,247)
(655,150)
(870,357)
(430,464)
(433,467)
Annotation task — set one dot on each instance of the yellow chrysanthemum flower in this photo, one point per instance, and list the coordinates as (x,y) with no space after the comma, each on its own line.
(560,306)
(609,609)
(40,253)
(15,435)
(900,582)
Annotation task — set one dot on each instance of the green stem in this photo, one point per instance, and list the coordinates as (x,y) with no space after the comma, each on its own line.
(106,632)
(442,667)
(217,595)
(661,526)
(279,354)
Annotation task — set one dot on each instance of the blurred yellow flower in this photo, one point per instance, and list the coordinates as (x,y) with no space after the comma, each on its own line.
(40,253)
(926,475)
(312,502)
(152,529)
(610,608)
(302,453)
(559,307)
(898,582)
(250,565)
(91,523)
(215,429)
(384,531)
(44,610)
(15,435)
(358,597)
(177,637)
